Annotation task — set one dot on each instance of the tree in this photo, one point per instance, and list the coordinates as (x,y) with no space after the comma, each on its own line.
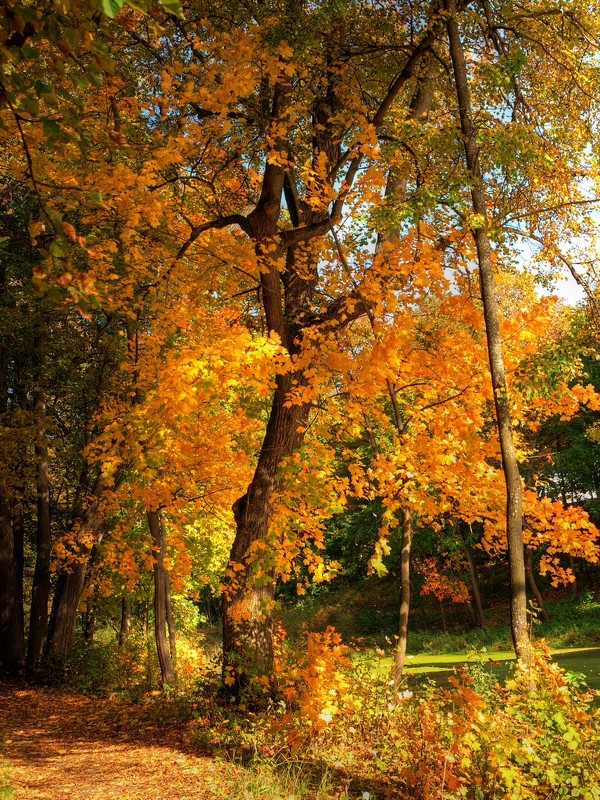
(237,158)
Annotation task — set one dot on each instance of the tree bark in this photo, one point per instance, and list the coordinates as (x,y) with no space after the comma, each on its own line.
(38,620)
(477,605)
(61,628)
(18,525)
(170,621)
(443,616)
(403,614)
(71,582)
(534,587)
(159,546)
(12,640)
(250,585)
(514,489)
(12,637)
(89,625)
(125,620)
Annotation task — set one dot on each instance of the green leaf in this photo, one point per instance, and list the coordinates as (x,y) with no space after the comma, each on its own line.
(139,5)
(172,7)
(41,88)
(51,128)
(31,105)
(59,248)
(95,197)
(111,7)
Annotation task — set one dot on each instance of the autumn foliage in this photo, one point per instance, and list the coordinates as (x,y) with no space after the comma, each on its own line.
(265,265)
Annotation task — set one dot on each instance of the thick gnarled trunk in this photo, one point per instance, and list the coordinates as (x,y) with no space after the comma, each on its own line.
(71,582)
(250,583)
(289,298)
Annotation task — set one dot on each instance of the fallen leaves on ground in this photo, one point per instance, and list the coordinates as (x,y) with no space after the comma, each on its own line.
(70,746)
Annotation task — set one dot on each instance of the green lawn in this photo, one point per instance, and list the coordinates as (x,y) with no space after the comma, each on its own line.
(440,667)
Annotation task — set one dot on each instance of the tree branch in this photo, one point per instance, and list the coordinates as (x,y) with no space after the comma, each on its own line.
(221,222)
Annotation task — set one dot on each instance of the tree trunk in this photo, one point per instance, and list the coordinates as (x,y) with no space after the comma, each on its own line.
(18,526)
(38,620)
(250,585)
(443,616)
(12,637)
(477,605)
(170,621)
(125,620)
(159,547)
(71,581)
(534,587)
(514,489)
(61,629)
(400,651)
(288,297)
(89,625)
(575,584)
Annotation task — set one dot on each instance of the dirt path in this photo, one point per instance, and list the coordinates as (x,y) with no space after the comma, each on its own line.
(64,746)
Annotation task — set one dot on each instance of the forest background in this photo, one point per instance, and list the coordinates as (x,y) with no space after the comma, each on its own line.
(273,347)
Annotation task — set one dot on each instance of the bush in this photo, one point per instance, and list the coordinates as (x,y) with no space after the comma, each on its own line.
(533,738)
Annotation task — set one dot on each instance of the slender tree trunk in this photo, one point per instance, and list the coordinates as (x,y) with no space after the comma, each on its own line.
(477,605)
(18,524)
(170,621)
(403,614)
(396,190)
(534,587)
(159,546)
(89,625)
(514,489)
(125,620)
(38,620)
(443,616)
(149,643)
(12,638)
(575,583)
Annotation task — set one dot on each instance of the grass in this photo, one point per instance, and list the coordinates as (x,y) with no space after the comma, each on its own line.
(6,790)
(584,661)
(273,778)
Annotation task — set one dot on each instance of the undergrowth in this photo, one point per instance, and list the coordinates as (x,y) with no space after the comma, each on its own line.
(534,737)
(361,617)
(340,731)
